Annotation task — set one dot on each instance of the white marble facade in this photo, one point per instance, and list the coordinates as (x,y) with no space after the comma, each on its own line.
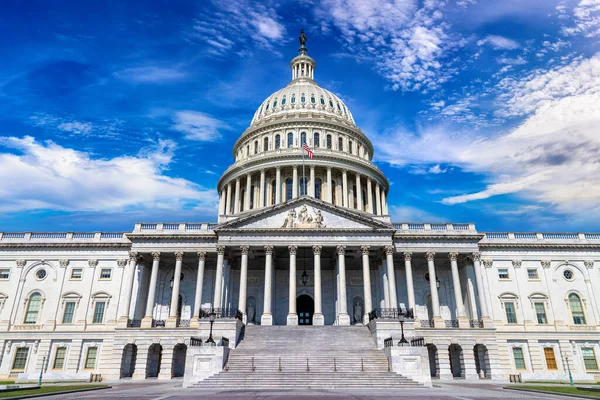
(488,304)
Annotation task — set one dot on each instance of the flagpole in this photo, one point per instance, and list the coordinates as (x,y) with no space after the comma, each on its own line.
(303,176)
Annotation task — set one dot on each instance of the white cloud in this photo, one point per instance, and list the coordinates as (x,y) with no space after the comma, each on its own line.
(410,214)
(48,176)
(197,125)
(151,74)
(75,127)
(586,19)
(499,42)
(512,61)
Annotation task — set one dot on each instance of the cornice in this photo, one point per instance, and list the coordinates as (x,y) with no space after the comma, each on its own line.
(420,236)
(64,245)
(186,235)
(540,245)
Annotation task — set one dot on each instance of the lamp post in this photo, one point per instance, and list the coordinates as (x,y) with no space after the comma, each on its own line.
(571,383)
(403,340)
(42,371)
(211,318)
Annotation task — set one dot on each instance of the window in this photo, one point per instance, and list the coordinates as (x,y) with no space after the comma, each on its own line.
(76,274)
(59,358)
(302,99)
(576,309)
(242,197)
(288,188)
(540,312)
(90,358)
(550,358)
(275,103)
(293,99)
(264,195)
(511,316)
(312,99)
(518,356)
(332,188)
(267,107)
(277,141)
(99,312)
(283,101)
(589,359)
(316,140)
(303,138)
(503,273)
(69,312)
(318,184)
(338,106)
(350,147)
(33,308)
(532,273)
(20,358)
(329,141)
(266,144)
(105,273)
(322,101)
(247,150)
(568,274)
(330,103)
(4,274)
(290,142)
(273,191)
(303,182)
(255,146)
(41,274)
(354,195)
(252,189)
(340,144)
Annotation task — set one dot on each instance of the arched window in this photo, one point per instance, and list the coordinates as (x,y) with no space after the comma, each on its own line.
(252,189)
(312,99)
(303,182)
(273,191)
(576,309)
(340,144)
(293,99)
(289,184)
(34,304)
(333,196)
(318,188)
(275,103)
(316,140)
(330,103)
(266,144)
(350,147)
(255,146)
(329,141)
(302,98)
(277,141)
(267,107)
(322,101)
(302,138)
(290,140)
(247,150)
(283,101)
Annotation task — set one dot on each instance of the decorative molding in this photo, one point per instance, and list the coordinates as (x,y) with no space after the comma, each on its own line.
(293,249)
(63,263)
(21,263)
(179,255)
(516,263)
(589,264)
(430,255)
(134,256)
(245,249)
(221,250)
(453,255)
(93,263)
(155,255)
(476,256)
(340,250)
(269,249)
(389,250)
(201,255)
(407,255)
(545,263)
(122,262)
(487,263)
(365,250)
(317,249)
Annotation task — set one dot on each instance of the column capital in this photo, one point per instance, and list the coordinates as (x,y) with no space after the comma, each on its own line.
(317,249)
(245,249)
(120,262)
(64,263)
(365,250)
(237,180)
(476,256)
(516,263)
(269,249)
(263,170)
(278,168)
(388,250)
(133,255)
(201,255)
(293,249)
(93,263)
(179,255)
(344,170)
(407,255)
(430,255)
(329,168)
(453,255)
(221,250)
(488,263)
(312,167)
(340,249)
(155,255)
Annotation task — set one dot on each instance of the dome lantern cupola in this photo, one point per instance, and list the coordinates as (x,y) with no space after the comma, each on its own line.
(303,67)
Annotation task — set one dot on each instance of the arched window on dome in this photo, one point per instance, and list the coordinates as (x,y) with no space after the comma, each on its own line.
(333,196)
(275,103)
(34,305)
(576,309)
(266,143)
(303,182)
(318,184)
(312,99)
(350,147)
(329,141)
(293,98)
(345,113)
(303,138)
(338,105)
(322,101)
(330,103)
(289,185)
(273,191)
(340,144)
(247,150)
(290,142)
(277,141)
(302,98)
(283,101)
(316,140)
(255,146)
(267,107)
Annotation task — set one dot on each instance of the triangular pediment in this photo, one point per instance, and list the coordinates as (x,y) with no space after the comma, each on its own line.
(305,213)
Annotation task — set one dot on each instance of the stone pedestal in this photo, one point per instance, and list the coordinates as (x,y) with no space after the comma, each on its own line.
(203,362)
(344,320)
(146,323)
(487,322)
(266,319)
(195,322)
(318,319)
(122,322)
(463,323)
(438,322)
(171,322)
(292,319)
(410,362)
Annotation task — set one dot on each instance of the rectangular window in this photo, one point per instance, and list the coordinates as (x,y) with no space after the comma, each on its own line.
(550,358)
(589,359)
(69,311)
(76,274)
(540,311)
(532,273)
(519,359)
(20,358)
(99,312)
(105,273)
(503,273)
(4,273)
(59,358)
(511,316)
(90,358)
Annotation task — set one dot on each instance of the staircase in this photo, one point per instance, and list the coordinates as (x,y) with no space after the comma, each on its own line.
(315,357)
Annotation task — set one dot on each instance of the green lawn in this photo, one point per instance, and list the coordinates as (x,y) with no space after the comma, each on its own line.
(560,389)
(6,382)
(48,389)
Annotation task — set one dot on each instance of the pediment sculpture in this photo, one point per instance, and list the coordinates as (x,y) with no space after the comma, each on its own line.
(303,219)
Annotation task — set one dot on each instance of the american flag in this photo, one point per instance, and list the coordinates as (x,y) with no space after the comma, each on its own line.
(308,150)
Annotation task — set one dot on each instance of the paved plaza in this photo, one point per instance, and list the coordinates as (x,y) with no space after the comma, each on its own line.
(171,391)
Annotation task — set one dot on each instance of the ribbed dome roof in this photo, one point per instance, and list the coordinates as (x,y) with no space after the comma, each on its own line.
(302,96)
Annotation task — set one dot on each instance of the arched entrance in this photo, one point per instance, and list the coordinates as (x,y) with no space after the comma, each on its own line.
(179,353)
(128,360)
(482,360)
(154,359)
(456,360)
(433,361)
(306,308)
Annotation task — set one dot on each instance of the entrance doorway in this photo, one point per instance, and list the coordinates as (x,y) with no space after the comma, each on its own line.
(306,308)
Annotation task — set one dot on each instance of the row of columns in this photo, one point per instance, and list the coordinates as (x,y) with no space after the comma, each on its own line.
(232,189)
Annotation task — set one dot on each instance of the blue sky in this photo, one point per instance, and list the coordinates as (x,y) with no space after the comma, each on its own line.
(480,111)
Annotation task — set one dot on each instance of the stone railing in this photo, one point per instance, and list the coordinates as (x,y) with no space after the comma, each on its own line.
(451,323)
(390,313)
(436,227)
(61,237)
(174,227)
(28,327)
(476,323)
(532,236)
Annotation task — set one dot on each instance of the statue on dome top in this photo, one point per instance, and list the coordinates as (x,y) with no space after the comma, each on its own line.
(302,50)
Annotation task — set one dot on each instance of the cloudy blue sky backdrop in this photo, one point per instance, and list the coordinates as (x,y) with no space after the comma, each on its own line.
(121,111)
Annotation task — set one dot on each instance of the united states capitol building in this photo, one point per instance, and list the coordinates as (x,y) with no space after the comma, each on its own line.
(301,271)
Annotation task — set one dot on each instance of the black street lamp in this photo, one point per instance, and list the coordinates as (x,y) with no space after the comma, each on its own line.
(211,317)
(403,340)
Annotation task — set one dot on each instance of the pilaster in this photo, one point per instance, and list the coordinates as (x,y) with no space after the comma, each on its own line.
(166,363)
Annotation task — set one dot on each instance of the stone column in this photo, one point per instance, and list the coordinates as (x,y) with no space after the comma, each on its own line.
(343,318)
(311,185)
(199,285)
(131,268)
(172,321)
(278,185)
(369,203)
(219,276)
(318,318)
(236,204)
(366,284)
(410,289)
(147,320)
(435,300)
(228,205)
(463,321)
(345,187)
(328,197)
(377,200)
(359,199)
(384,209)
(248,190)
(243,281)
(391,274)
(485,316)
(294,182)
(261,195)
(292,317)
(222,202)
(267,317)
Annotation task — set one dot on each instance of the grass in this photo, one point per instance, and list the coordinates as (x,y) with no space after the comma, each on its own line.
(560,389)
(6,382)
(48,389)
